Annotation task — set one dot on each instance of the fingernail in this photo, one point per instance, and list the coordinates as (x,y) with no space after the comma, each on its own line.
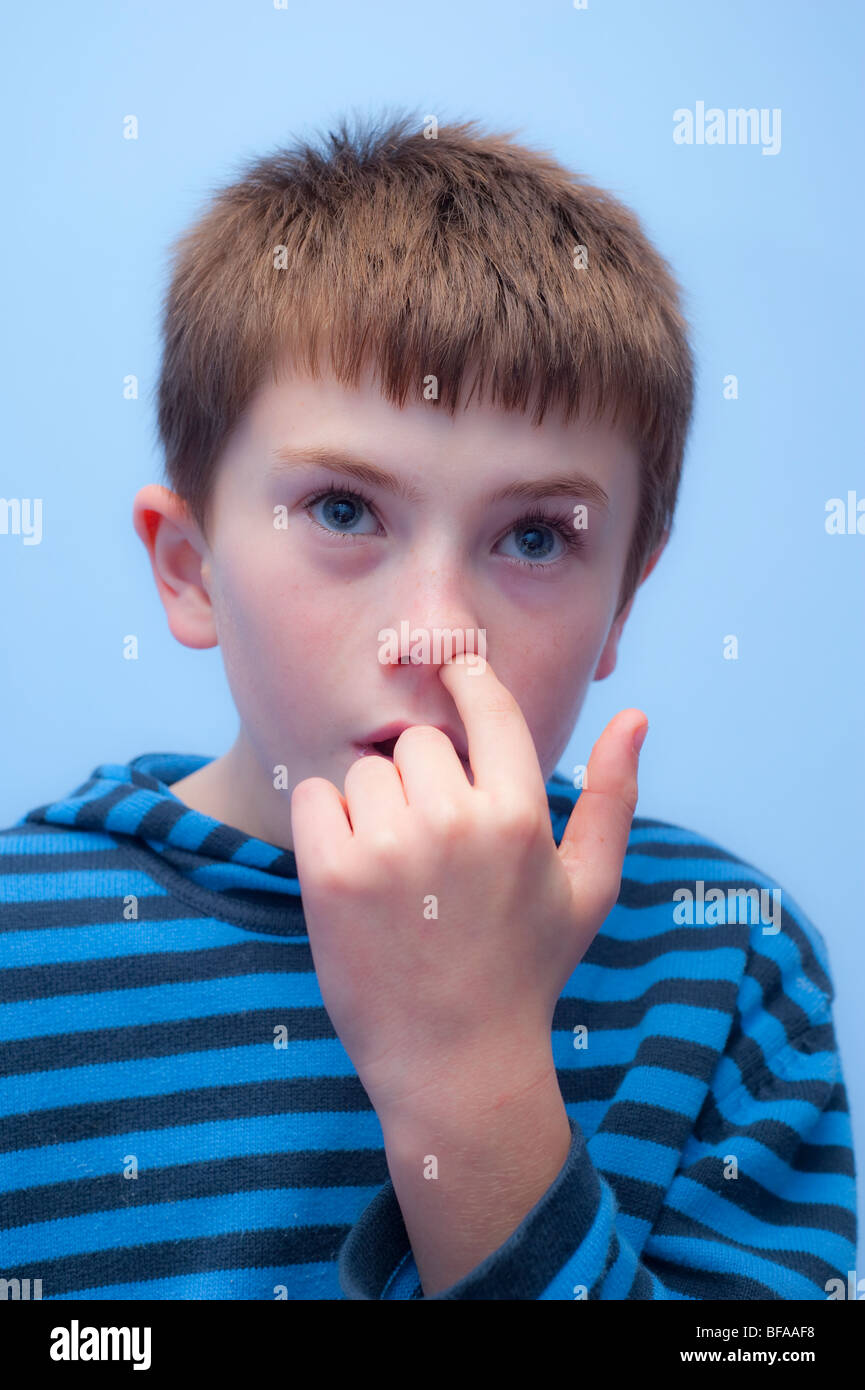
(639,737)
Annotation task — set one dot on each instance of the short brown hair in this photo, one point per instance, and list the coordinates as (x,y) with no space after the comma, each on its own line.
(426,256)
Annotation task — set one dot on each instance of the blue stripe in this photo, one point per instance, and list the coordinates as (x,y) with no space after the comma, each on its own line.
(157,1004)
(307,1281)
(159,1148)
(281,1208)
(191,1071)
(727,1033)
(599,982)
(116,939)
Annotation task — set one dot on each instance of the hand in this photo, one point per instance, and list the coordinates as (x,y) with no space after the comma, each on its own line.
(461,1002)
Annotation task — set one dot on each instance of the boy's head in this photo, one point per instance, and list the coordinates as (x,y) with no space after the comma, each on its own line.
(469,317)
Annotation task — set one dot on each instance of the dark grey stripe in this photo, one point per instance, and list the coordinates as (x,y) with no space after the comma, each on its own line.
(96,1119)
(52,914)
(139,1264)
(627,1013)
(311,1168)
(711,1285)
(54,1052)
(31,982)
(673,1223)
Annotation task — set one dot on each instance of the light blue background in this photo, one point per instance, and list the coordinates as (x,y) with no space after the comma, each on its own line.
(763,754)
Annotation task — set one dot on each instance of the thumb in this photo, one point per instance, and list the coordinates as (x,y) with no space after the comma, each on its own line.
(595,841)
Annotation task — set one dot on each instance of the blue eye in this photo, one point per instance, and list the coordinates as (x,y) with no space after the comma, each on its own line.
(538,541)
(537,532)
(342,509)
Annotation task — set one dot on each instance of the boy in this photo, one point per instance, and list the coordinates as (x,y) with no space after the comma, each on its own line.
(376,1005)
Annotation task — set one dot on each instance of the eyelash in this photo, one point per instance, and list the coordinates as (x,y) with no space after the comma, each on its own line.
(563,527)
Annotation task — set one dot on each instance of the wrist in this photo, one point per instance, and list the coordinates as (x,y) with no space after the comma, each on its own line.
(480,1097)
(490,1168)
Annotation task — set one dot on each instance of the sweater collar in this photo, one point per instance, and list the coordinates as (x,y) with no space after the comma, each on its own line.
(135,799)
(196,856)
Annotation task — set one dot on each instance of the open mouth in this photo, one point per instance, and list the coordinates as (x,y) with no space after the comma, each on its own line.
(384,747)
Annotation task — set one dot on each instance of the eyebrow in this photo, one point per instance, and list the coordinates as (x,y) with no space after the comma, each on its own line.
(364,471)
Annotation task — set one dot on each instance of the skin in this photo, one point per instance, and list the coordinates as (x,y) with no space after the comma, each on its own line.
(297,611)
(447,1019)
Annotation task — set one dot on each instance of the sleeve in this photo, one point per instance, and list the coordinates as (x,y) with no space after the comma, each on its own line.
(762,1204)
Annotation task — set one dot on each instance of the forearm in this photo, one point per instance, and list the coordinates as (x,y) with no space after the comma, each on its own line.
(466,1180)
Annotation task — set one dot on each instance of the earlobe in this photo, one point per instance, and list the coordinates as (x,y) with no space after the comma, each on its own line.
(606,666)
(172,542)
(607,662)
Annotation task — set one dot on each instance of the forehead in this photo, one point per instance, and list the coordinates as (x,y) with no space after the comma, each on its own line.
(478,450)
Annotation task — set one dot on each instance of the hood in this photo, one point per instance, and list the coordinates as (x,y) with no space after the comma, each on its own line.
(212,866)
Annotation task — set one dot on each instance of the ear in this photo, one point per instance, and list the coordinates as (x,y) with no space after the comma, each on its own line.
(607,662)
(178,558)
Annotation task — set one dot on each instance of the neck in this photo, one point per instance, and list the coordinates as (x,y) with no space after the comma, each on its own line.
(237,791)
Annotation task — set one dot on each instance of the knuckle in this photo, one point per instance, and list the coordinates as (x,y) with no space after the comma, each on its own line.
(331,879)
(625,809)
(447,821)
(385,848)
(500,703)
(629,796)
(520,825)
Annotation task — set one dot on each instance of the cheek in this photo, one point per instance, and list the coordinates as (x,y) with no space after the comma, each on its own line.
(554,655)
(549,671)
(280,637)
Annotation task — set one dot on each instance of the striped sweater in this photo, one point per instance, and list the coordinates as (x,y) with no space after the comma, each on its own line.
(179,1120)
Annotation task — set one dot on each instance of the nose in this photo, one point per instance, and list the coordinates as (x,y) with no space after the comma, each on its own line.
(437,619)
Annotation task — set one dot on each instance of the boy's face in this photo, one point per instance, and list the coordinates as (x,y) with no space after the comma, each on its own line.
(297,598)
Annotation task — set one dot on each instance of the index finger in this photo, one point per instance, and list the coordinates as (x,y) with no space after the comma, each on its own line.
(501,749)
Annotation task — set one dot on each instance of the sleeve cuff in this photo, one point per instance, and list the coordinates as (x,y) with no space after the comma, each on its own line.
(376,1260)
